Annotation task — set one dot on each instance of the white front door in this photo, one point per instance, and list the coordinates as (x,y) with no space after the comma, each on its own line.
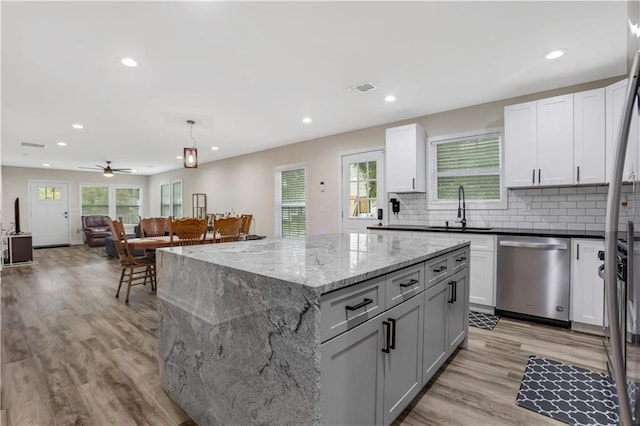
(49,212)
(362,190)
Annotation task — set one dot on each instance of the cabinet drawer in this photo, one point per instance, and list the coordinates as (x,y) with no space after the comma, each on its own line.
(404,284)
(350,306)
(437,269)
(459,260)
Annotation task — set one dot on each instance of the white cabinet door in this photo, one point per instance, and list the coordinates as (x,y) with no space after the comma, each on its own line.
(520,144)
(351,376)
(435,331)
(587,288)
(403,363)
(555,140)
(405,150)
(482,278)
(615,95)
(589,137)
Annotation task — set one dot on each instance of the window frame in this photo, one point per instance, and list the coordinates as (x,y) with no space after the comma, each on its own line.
(278,198)
(432,203)
(111,190)
(172,197)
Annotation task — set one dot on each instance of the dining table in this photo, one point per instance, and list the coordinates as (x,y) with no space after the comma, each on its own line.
(152,243)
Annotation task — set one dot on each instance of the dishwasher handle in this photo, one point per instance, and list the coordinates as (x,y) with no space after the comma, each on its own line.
(540,246)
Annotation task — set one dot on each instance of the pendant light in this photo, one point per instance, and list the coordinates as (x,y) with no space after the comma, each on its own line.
(190,157)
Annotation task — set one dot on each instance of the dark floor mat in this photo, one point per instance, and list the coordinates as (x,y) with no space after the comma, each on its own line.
(482,320)
(572,395)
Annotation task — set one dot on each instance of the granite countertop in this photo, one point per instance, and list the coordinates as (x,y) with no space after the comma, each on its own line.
(499,231)
(322,262)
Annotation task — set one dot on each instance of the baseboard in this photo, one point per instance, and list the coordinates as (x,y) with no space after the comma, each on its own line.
(482,308)
(587,328)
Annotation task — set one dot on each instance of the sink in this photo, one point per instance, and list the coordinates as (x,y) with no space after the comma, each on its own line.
(459,229)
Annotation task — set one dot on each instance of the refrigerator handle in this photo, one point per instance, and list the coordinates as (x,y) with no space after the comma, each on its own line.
(611,246)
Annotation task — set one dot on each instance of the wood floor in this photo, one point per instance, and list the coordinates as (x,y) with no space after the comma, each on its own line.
(73,354)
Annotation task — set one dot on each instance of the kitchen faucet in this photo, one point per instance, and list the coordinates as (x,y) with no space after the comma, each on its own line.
(462,213)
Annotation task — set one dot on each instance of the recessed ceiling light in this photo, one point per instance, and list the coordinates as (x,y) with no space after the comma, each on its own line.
(390,98)
(307,120)
(129,62)
(179,157)
(62,143)
(554,54)
(133,171)
(77,126)
(46,164)
(214,148)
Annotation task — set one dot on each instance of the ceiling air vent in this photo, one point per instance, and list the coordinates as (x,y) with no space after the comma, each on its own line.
(362,88)
(32,145)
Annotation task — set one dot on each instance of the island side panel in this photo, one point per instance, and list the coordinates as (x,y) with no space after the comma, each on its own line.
(236,347)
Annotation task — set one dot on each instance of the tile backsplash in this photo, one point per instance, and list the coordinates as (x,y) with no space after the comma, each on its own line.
(580,208)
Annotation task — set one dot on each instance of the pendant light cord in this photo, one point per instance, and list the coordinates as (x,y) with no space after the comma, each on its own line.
(190,135)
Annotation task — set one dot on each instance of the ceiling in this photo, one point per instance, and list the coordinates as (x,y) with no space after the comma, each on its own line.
(248,73)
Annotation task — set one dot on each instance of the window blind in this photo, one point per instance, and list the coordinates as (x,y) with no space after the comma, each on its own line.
(291,202)
(474,163)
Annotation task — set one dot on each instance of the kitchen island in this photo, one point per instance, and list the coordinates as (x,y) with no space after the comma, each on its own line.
(291,331)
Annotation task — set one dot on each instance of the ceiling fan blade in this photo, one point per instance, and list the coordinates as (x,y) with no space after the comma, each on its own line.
(122,170)
(91,168)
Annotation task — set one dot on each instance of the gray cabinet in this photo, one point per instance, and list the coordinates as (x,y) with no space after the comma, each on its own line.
(403,362)
(351,376)
(372,368)
(435,333)
(457,300)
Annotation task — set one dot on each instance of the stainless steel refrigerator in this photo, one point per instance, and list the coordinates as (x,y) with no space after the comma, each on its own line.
(622,279)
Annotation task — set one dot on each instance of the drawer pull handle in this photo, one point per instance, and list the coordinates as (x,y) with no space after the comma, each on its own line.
(461,259)
(387,324)
(409,284)
(362,304)
(440,269)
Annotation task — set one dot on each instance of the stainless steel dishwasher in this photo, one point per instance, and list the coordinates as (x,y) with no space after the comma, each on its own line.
(534,276)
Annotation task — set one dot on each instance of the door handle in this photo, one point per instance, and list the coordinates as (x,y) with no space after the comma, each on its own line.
(454,284)
(539,175)
(66,215)
(578,174)
(387,334)
(393,333)
(541,246)
(533,176)
(451,285)
(440,269)
(413,183)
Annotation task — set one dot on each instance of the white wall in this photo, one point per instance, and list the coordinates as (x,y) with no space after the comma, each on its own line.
(246,184)
(15,183)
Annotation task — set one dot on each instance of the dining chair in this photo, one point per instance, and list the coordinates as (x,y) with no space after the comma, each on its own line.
(228,229)
(190,231)
(136,270)
(154,226)
(246,223)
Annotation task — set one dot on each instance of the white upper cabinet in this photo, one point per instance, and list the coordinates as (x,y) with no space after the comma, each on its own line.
(555,140)
(539,142)
(615,95)
(520,143)
(589,137)
(406,159)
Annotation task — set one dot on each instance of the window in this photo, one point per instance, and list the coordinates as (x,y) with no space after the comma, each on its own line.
(128,204)
(363,198)
(473,161)
(49,193)
(291,195)
(112,200)
(95,200)
(171,199)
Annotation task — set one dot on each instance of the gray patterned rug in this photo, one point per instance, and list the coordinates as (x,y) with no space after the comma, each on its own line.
(481,320)
(572,395)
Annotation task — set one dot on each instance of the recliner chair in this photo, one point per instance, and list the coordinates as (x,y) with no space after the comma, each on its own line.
(96,229)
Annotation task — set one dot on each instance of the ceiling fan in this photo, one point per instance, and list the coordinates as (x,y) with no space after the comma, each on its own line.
(107,171)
